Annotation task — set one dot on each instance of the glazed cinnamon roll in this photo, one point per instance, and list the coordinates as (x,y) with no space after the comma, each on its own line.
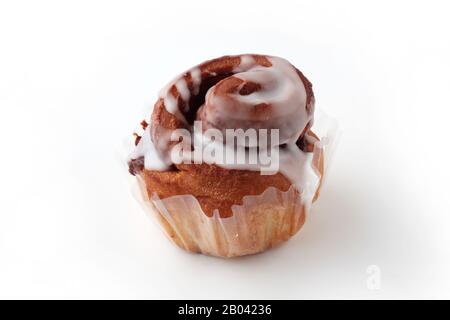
(230,208)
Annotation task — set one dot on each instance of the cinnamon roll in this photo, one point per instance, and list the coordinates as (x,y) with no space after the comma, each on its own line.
(225,207)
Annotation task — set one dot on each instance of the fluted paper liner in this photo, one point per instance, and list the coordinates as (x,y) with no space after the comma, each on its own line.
(260,222)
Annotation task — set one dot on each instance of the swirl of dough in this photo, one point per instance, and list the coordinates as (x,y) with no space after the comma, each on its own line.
(236,92)
(259,97)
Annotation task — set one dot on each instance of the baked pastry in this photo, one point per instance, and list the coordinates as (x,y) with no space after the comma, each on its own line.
(225,208)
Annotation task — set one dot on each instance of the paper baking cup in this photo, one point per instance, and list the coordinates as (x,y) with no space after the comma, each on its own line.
(259,223)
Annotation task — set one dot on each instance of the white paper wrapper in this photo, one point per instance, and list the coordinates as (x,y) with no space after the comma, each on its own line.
(261,222)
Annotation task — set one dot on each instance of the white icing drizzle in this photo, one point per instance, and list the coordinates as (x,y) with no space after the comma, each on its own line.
(145,148)
(171,105)
(297,166)
(282,89)
(183,89)
(196,76)
(246,63)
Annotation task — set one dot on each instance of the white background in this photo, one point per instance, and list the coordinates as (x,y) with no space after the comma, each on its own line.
(77,77)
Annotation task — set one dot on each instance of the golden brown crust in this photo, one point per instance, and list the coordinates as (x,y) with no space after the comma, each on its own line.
(216,187)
